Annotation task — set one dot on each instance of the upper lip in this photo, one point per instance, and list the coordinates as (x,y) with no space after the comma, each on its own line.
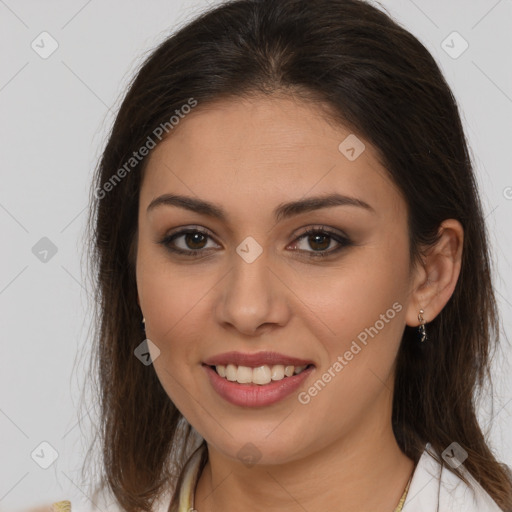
(255,360)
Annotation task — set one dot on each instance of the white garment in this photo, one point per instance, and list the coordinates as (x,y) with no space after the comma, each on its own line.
(435,488)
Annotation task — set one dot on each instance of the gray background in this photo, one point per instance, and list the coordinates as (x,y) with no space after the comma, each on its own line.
(55,113)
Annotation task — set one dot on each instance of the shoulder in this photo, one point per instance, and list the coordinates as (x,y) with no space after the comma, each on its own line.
(434,488)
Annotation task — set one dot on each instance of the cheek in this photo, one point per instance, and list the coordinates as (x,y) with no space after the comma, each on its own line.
(365,313)
(172,297)
(175,316)
(359,309)
(176,320)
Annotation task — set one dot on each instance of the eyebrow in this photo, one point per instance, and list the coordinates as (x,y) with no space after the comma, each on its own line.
(282,211)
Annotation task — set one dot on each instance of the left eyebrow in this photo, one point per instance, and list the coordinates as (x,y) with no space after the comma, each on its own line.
(283,211)
(286,210)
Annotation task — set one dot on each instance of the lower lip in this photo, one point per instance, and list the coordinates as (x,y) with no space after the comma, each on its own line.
(254,395)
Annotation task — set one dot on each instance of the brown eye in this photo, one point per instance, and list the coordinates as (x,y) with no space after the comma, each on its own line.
(320,240)
(189,242)
(195,240)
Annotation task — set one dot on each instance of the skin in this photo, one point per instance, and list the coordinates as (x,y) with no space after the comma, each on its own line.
(249,156)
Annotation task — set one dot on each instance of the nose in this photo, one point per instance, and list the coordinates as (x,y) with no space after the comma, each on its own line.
(253,299)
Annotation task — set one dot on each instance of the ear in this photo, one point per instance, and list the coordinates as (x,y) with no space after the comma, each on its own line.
(435,278)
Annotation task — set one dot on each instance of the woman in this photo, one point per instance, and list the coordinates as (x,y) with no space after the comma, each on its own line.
(287,204)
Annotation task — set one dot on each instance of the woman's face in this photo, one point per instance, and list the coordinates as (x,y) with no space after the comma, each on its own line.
(259,294)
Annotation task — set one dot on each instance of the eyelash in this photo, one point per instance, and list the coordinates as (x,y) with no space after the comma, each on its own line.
(342,240)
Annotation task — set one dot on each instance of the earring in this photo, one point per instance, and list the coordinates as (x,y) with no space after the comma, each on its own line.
(143,324)
(422,333)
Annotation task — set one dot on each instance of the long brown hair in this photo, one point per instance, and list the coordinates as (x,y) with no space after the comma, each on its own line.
(372,76)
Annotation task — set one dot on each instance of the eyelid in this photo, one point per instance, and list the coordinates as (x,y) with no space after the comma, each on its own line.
(320,227)
(192,227)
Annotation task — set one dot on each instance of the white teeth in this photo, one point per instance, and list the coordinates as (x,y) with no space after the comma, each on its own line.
(231,371)
(288,370)
(261,375)
(277,372)
(244,375)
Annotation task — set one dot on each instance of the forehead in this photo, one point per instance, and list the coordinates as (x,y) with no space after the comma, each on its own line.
(263,148)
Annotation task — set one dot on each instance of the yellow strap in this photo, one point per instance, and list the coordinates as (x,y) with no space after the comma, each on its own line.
(61,506)
(404,496)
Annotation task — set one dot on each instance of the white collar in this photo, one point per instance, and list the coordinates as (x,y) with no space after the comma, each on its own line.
(434,488)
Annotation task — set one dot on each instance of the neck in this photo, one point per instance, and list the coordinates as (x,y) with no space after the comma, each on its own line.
(363,471)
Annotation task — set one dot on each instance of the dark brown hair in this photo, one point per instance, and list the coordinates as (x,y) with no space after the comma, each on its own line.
(372,76)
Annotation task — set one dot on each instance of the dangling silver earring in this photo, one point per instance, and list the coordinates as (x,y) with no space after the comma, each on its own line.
(422,333)
(143,324)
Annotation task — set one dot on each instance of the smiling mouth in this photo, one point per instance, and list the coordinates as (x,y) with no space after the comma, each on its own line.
(260,375)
